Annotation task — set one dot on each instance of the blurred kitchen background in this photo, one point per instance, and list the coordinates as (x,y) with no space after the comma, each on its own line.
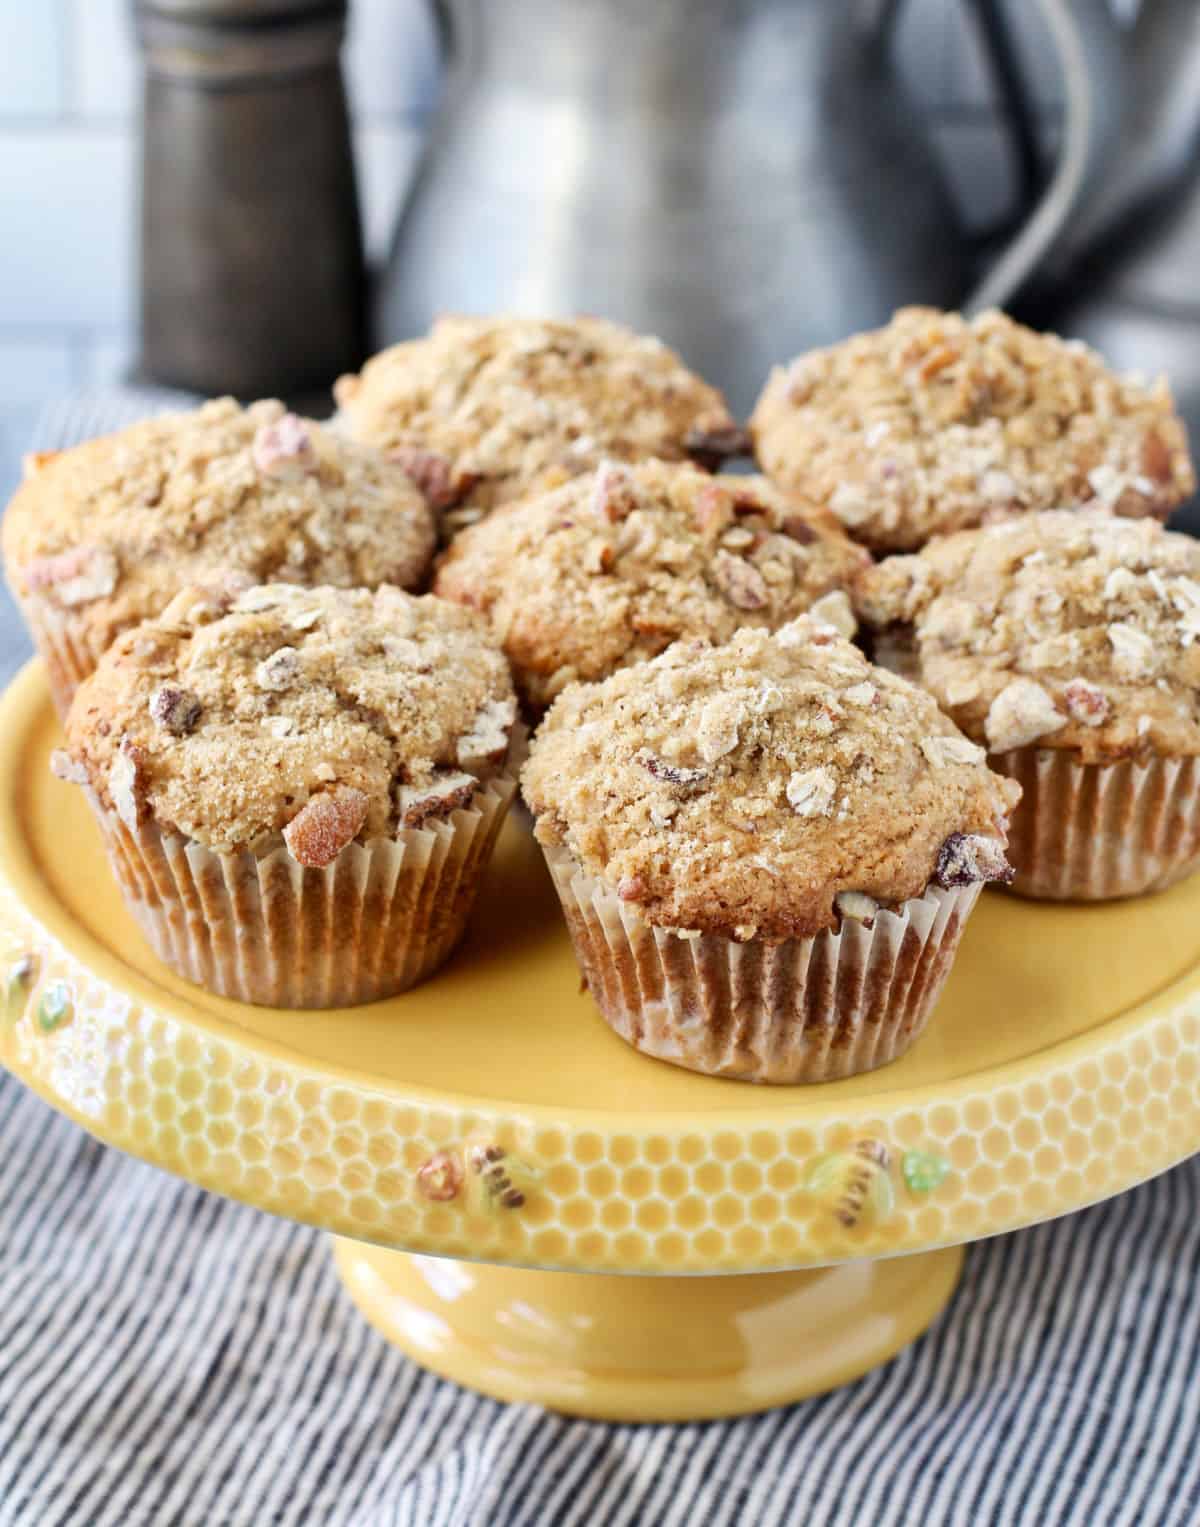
(69,92)
(69,102)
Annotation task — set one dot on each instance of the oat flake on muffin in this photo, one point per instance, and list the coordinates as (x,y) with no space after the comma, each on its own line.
(482,410)
(760,788)
(936,422)
(614,566)
(101,536)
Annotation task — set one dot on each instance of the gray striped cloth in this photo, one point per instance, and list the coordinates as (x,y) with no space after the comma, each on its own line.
(167,1357)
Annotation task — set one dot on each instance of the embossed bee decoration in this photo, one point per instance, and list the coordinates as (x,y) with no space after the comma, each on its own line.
(500,1179)
(55,1008)
(855,1183)
(440,1178)
(20,977)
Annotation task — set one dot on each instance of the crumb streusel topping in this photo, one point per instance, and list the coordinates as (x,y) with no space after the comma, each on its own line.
(614,566)
(111,529)
(482,410)
(765,788)
(936,423)
(1067,629)
(325,714)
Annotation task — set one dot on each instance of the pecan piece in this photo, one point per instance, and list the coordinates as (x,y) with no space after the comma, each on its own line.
(284,447)
(797,529)
(671,774)
(415,804)
(713,509)
(710,447)
(433,475)
(966,857)
(1086,703)
(613,495)
(486,741)
(175,710)
(320,830)
(1157,462)
(741,582)
(77,576)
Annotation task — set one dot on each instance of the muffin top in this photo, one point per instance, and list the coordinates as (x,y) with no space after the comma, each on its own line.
(612,567)
(1068,629)
(484,409)
(109,530)
(325,714)
(765,788)
(936,423)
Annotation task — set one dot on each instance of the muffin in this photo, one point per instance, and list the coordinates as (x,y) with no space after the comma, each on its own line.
(766,851)
(482,410)
(1068,644)
(299,792)
(612,567)
(100,537)
(938,423)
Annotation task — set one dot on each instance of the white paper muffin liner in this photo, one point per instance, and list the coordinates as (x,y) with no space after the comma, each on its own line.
(807,1010)
(264,929)
(68,659)
(1095,832)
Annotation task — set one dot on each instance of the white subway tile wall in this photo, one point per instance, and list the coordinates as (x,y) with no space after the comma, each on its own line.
(68,109)
(69,84)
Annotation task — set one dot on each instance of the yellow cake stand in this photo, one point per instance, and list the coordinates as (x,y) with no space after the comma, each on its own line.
(454,1139)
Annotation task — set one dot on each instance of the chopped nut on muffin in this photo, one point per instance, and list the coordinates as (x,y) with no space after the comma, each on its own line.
(483,410)
(766,851)
(232,750)
(936,423)
(614,566)
(101,536)
(1068,643)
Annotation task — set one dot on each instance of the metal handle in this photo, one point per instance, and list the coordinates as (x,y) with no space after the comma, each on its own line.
(1085,43)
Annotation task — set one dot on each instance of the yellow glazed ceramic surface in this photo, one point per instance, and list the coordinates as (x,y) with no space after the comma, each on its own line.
(648,1349)
(490,1114)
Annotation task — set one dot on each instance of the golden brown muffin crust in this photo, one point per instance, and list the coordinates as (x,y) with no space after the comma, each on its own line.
(1067,629)
(761,788)
(614,566)
(484,410)
(936,423)
(302,711)
(109,530)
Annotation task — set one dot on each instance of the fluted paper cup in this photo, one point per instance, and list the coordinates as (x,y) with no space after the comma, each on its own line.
(806,1010)
(263,929)
(1096,832)
(67,657)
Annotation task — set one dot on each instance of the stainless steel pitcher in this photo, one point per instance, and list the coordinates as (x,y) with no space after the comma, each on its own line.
(744,178)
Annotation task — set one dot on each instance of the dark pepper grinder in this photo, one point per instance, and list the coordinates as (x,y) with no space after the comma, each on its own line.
(253,279)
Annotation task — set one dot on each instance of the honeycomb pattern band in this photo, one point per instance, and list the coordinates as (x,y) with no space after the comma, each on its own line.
(640,1194)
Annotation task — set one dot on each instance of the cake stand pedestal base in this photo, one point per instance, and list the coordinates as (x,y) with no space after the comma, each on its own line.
(647,1348)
